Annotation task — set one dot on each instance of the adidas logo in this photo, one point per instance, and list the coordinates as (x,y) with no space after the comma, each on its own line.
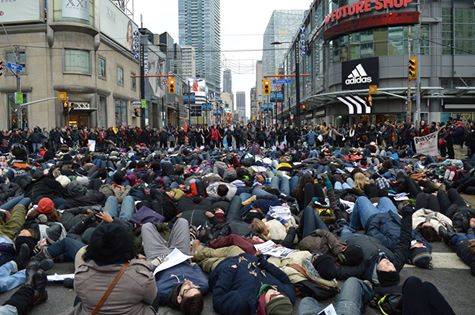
(358,76)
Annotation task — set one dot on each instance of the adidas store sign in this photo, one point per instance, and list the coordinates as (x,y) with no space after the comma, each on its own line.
(359,74)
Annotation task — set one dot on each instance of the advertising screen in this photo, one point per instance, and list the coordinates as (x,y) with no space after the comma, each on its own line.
(14,11)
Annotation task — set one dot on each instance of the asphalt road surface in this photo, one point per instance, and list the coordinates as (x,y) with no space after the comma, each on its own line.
(450,275)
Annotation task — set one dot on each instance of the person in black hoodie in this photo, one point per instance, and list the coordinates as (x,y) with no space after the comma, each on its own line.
(380,265)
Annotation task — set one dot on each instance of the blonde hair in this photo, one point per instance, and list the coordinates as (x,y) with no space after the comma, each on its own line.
(360,181)
(259,227)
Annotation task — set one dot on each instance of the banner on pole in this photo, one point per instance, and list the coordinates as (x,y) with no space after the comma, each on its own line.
(427,145)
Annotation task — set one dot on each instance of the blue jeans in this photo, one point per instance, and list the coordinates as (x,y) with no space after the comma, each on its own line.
(281,183)
(9,281)
(67,246)
(311,221)
(353,296)
(13,202)
(126,210)
(364,209)
(294,181)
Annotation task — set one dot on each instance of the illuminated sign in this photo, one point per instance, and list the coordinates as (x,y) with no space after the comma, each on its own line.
(364,7)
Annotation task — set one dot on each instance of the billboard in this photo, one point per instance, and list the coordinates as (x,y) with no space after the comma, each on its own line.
(14,11)
(360,73)
(115,24)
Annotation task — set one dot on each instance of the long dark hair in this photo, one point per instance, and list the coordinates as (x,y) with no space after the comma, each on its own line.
(299,190)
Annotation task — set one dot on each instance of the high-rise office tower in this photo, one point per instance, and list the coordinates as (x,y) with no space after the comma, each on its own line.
(241,105)
(282,27)
(227,81)
(200,27)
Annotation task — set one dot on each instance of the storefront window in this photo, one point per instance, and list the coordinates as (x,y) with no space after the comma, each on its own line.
(120,112)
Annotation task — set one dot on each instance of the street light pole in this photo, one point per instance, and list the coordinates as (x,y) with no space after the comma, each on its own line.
(297,87)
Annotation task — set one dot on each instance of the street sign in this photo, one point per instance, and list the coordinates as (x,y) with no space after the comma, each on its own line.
(373,89)
(143,103)
(136,103)
(62,96)
(18,98)
(15,67)
(281,81)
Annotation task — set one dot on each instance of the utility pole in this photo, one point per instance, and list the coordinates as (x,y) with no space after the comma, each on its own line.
(409,101)
(418,81)
(297,86)
(142,81)
(18,88)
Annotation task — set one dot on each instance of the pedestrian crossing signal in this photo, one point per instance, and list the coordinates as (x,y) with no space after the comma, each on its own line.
(171,85)
(137,112)
(66,107)
(266,87)
(412,70)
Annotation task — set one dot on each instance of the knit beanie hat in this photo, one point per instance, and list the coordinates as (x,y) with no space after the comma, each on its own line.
(421,257)
(45,206)
(279,306)
(325,265)
(353,255)
(388,278)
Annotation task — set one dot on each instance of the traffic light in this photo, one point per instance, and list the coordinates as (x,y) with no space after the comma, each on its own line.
(66,107)
(171,85)
(137,111)
(266,87)
(2,67)
(412,68)
(369,101)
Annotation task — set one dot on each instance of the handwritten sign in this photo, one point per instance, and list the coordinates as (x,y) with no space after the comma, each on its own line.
(427,145)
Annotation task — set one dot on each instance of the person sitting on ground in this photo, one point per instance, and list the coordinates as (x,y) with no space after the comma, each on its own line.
(111,255)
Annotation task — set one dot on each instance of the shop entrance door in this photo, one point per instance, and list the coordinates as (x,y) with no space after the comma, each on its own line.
(79,119)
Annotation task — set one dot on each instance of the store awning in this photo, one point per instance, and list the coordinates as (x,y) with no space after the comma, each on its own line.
(356,104)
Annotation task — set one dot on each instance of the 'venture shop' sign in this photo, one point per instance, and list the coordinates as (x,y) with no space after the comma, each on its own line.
(364,7)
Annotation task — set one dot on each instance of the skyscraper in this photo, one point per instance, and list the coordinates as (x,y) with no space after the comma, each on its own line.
(189,61)
(241,104)
(200,27)
(227,81)
(282,27)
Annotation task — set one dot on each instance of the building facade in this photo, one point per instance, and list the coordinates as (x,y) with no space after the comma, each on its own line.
(346,53)
(280,29)
(227,81)
(189,61)
(200,27)
(256,107)
(85,50)
(241,105)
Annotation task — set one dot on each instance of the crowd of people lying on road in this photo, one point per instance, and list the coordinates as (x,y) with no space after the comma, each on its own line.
(254,227)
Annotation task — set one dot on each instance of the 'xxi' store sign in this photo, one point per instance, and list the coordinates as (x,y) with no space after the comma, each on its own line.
(366,14)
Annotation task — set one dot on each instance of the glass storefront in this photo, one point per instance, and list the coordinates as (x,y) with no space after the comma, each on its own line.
(120,112)
(463,31)
(388,41)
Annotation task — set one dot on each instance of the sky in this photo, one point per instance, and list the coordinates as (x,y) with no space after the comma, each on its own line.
(243,23)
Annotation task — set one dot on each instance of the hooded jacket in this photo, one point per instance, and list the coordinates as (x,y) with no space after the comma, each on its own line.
(236,281)
(212,190)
